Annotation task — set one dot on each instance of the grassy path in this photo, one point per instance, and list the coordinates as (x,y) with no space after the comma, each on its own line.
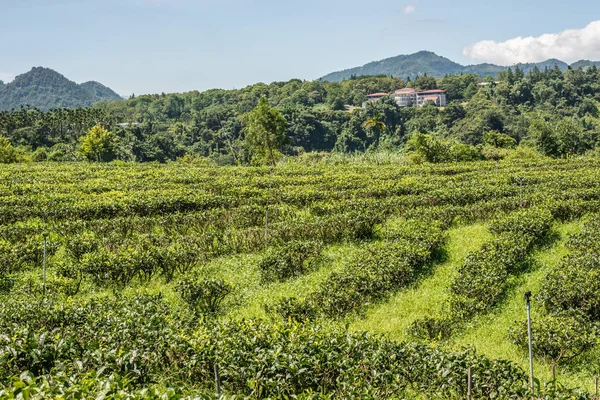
(251,295)
(424,298)
(488,334)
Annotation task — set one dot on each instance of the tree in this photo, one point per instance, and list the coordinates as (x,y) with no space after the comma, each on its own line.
(8,154)
(544,138)
(265,130)
(98,144)
(375,126)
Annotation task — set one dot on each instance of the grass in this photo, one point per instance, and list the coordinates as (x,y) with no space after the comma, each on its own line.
(427,297)
(424,298)
(488,334)
(250,294)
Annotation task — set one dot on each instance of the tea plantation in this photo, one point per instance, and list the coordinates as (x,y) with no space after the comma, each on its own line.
(302,281)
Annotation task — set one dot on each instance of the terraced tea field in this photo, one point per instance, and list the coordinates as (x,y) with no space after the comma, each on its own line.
(349,281)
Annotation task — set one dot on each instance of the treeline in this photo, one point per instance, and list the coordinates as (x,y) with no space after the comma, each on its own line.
(555,112)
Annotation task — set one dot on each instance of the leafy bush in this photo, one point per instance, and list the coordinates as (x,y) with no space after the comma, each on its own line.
(292,309)
(122,345)
(290,260)
(483,276)
(535,222)
(380,268)
(556,337)
(575,283)
(6,284)
(431,329)
(203,296)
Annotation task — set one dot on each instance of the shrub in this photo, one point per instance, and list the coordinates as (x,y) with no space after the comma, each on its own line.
(378,269)
(203,296)
(292,309)
(556,337)
(535,222)
(431,329)
(290,260)
(6,284)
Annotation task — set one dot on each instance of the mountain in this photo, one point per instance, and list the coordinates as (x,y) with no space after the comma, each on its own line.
(426,62)
(45,88)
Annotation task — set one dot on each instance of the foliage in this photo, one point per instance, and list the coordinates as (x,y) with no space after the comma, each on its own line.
(431,329)
(98,144)
(575,284)
(379,269)
(203,296)
(557,337)
(483,277)
(8,153)
(290,260)
(265,128)
(120,346)
(552,110)
(193,219)
(47,89)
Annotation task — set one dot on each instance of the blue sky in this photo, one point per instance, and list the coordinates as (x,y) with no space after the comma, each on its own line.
(153,46)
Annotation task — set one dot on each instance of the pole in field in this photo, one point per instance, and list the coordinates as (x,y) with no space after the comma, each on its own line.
(528,302)
(469,384)
(44,278)
(267,208)
(217,379)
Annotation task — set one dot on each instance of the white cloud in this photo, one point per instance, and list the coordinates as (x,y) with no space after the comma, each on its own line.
(6,76)
(409,9)
(570,45)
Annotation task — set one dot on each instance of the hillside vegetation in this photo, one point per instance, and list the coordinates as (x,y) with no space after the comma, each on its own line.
(553,112)
(46,89)
(283,278)
(412,66)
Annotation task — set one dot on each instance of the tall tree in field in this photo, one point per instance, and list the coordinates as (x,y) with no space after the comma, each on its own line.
(265,130)
(98,144)
(376,126)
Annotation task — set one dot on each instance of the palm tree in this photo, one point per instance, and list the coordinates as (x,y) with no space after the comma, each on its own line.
(377,126)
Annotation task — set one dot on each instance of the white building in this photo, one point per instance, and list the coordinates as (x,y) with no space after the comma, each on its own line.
(437,96)
(406,97)
(409,97)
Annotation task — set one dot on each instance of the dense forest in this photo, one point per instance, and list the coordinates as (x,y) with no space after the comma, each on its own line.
(427,62)
(552,111)
(45,89)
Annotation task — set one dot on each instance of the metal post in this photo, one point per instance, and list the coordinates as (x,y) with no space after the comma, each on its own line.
(528,302)
(267,210)
(596,386)
(217,379)
(469,384)
(44,285)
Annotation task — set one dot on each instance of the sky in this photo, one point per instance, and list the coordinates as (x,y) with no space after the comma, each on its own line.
(154,46)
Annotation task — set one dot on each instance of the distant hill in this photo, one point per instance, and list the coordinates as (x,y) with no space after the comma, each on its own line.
(45,88)
(426,62)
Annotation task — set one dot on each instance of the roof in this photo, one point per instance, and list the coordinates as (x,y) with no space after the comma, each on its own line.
(432,98)
(405,90)
(377,94)
(432,91)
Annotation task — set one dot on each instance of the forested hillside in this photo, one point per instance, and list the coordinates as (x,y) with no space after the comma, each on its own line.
(427,63)
(46,89)
(552,111)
